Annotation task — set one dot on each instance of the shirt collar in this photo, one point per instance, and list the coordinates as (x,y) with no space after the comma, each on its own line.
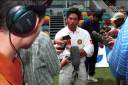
(69,31)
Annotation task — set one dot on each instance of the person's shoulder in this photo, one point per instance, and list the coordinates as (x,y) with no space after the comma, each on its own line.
(82,30)
(3,81)
(62,31)
(43,35)
(42,38)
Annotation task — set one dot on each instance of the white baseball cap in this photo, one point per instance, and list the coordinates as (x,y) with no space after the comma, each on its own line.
(117,16)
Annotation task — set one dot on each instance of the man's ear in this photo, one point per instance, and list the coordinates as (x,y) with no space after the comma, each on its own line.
(115,21)
(66,21)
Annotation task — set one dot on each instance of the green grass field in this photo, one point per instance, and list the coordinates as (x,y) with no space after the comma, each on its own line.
(103,74)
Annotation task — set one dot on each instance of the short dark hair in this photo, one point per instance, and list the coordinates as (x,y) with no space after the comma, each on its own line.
(99,13)
(74,10)
(5,5)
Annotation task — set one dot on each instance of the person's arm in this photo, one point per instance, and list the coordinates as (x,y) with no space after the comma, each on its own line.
(51,58)
(110,41)
(88,48)
(63,62)
(82,53)
(58,44)
(59,40)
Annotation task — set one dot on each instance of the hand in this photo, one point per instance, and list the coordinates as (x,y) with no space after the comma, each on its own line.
(111,43)
(101,45)
(82,53)
(106,39)
(64,62)
(113,33)
(58,43)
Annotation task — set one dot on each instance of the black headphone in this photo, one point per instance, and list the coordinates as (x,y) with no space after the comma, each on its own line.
(21,20)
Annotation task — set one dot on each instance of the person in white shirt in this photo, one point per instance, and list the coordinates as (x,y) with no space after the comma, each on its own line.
(80,38)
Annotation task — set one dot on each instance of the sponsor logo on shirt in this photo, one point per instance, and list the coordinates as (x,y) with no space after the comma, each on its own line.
(79,41)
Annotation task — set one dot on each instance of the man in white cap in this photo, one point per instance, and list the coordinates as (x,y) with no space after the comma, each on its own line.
(117,19)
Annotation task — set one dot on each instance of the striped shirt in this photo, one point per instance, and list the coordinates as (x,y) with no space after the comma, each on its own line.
(118,57)
(40,62)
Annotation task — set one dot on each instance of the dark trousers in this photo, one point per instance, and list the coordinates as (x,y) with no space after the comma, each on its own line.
(90,63)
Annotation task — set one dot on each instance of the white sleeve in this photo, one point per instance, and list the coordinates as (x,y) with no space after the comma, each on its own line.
(88,45)
(58,35)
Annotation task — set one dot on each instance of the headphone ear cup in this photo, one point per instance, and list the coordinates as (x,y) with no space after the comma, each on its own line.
(21,20)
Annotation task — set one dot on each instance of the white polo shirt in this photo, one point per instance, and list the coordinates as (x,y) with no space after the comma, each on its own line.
(80,38)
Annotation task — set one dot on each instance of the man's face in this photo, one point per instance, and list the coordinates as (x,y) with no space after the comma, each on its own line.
(72,21)
(118,22)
